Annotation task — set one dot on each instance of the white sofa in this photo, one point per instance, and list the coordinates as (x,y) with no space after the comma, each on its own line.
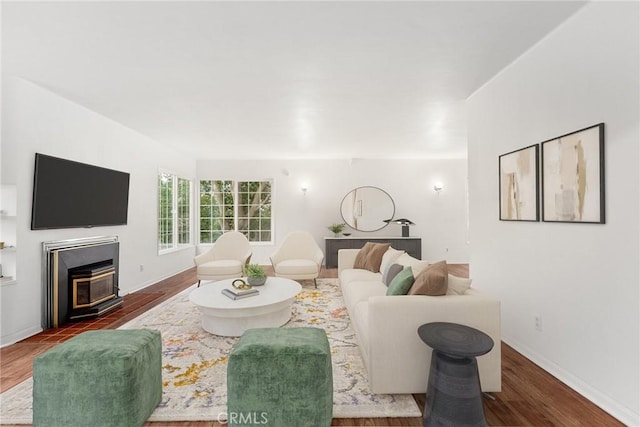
(395,357)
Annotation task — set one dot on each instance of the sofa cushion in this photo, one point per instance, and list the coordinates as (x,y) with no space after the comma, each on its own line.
(390,273)
(360,291)
(416,265)
(431,281)
(353,274)
(457,285)
(401,284)
(388,259)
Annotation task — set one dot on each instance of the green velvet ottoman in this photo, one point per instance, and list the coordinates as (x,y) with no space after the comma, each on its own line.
(99,378)
(280,377)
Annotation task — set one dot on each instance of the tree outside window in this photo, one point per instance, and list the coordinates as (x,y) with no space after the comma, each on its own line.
(244,206)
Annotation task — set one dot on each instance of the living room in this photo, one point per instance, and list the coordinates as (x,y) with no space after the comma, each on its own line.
(580,279)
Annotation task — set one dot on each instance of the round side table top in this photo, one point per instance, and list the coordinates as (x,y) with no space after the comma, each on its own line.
(455,340)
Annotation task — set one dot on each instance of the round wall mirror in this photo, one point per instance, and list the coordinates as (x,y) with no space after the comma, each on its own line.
(366,208)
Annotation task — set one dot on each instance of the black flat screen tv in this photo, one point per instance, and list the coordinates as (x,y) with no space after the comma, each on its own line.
(68,194)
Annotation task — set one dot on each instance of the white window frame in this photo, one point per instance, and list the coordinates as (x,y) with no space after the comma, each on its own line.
(174,211)
(235,186)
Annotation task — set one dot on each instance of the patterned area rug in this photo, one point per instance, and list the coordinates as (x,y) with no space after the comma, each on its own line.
(195,363)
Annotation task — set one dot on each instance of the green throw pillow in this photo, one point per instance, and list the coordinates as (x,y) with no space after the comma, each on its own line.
(401,284)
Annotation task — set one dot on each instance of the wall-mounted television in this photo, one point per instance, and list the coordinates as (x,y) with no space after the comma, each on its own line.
(68,194)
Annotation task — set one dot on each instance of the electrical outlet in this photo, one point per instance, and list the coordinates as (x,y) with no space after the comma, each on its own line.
(538,322)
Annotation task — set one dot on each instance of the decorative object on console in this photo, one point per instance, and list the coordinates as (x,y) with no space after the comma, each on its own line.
(573,177)
(402,221)
(518,186)
(365,208)
(337,228)
(256,276)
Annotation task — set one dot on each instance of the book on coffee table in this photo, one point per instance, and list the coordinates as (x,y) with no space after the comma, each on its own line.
(239,293)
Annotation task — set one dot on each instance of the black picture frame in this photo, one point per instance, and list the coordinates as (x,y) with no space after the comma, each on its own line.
(519,185)
(573,177)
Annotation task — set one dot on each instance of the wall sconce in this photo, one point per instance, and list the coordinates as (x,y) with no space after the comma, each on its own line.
(437,187)
(304,190)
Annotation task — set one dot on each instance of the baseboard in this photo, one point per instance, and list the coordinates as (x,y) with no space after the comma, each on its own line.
(154,281)
(613,408)
(19,336)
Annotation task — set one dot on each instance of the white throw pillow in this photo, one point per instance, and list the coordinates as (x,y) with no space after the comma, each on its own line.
(389,258)
(457,285)
(416,265)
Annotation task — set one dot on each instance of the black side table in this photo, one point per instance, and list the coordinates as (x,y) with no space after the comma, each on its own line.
(454,396)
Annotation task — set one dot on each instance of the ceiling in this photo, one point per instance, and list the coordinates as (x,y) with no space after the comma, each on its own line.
(277,79)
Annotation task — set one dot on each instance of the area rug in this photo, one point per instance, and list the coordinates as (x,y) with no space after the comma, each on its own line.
(195,362)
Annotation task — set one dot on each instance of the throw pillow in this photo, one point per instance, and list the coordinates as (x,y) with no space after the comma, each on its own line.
(431,281)
(361,257)
(416,265)
(390,273)
(389,258)
(374,257)
(401,284)
(457,285)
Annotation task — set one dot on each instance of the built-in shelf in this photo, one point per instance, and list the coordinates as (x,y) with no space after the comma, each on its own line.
(8,248)
(7,280)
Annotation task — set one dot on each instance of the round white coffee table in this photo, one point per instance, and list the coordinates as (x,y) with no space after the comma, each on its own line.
(224,316)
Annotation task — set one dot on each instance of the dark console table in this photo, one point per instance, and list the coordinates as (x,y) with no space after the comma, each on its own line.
(411,245)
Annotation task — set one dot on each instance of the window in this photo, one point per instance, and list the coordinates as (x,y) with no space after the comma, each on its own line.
(174,212)
(244,206)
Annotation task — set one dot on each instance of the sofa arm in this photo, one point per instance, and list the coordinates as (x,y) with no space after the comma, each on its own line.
(397,355)
(346,259)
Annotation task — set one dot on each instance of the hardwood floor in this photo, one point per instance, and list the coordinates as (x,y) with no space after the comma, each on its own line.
(530,396)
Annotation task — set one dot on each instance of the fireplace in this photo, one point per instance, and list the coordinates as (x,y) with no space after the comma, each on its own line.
(91,285)
(80,279)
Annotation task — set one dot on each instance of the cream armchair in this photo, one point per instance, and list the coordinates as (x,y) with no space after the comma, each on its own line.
(299,257)
(226,259)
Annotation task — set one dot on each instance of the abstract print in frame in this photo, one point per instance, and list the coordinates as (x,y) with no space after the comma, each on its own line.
(573,177)
(519,186)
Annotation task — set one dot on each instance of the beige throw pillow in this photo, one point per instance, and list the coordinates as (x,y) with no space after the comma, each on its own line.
(361,257)
(431,281)
(374,257)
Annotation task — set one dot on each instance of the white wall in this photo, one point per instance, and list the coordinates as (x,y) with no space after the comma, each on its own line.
(441,220)
(36,120)
(582,279)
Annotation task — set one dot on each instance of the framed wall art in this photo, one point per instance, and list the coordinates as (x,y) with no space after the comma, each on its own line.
(519,185)
(573,177)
